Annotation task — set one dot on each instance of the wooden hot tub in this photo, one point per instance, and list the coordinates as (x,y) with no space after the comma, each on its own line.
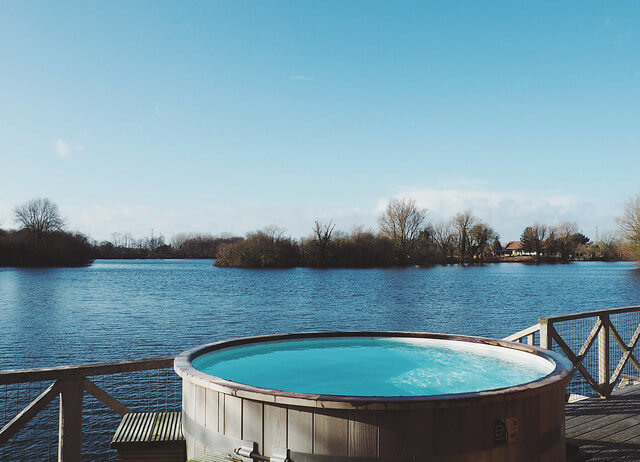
(524,422)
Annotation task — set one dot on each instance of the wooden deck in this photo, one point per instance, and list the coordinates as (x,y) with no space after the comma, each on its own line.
(607,430)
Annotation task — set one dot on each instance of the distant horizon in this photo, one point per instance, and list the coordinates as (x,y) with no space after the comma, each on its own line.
(233,116)
(374,227)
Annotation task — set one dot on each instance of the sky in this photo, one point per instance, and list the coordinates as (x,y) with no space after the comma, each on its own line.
(229,116)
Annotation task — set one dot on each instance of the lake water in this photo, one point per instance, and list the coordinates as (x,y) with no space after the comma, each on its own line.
(120,309)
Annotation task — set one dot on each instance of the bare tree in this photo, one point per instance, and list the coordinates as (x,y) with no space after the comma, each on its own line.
(444,236)
(402,222)
(322,232)
(533,239)
(463,223)
(564,239)
(274,232)
(629,224)
(39,216)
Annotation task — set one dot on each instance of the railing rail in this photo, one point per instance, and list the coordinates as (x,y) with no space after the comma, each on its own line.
(69,384)
(548,331)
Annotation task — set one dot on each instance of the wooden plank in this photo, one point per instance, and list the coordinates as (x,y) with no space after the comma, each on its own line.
(84,370)
(300,430)
(211,412)
(607,429)
(199,413)
(105,397)
(363,434)
(392,434)
(531,339)
(275,428)
(29,412)
(523,333)
(545,334)
(603,353)
(233,416)
(221,401)
(70,429)
(593,314)
(330,434)
(252,422)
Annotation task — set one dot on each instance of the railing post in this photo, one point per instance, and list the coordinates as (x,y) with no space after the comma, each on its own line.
(545,333)
(70,431)
(603,355)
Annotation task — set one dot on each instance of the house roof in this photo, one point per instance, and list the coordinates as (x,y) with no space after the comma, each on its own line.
(514,245)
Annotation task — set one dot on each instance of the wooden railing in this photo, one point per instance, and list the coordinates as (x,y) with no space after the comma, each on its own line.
(69,383)
(602,329)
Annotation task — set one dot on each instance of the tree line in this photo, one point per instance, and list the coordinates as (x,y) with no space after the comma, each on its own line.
(404,237)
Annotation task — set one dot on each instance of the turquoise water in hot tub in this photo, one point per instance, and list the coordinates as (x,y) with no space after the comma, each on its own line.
(374,366)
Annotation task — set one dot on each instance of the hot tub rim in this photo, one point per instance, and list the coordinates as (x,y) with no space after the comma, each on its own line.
(560,376)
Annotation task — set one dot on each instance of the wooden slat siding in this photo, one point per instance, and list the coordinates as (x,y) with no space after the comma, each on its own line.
(469,421)
(530,424)
(84,370)
(211,413)
(559,451)
(363,434)
(330,433)
(252,422)
(233,416)
(449,424)
(544,404)
(221,402)
(300,430)
(24,416)
(199,413)
(275,428)
(188,407)
(392,434)
(490,413)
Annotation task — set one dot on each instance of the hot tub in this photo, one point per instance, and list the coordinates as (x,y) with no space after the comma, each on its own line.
(321,397)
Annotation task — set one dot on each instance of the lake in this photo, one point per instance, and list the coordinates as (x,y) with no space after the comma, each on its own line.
(122,309)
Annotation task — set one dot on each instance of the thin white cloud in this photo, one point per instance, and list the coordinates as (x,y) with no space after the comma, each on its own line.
(301,77)
(62,148)
(65,149)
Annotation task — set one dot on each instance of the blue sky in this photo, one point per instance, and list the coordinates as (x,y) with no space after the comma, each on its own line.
(231,116)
